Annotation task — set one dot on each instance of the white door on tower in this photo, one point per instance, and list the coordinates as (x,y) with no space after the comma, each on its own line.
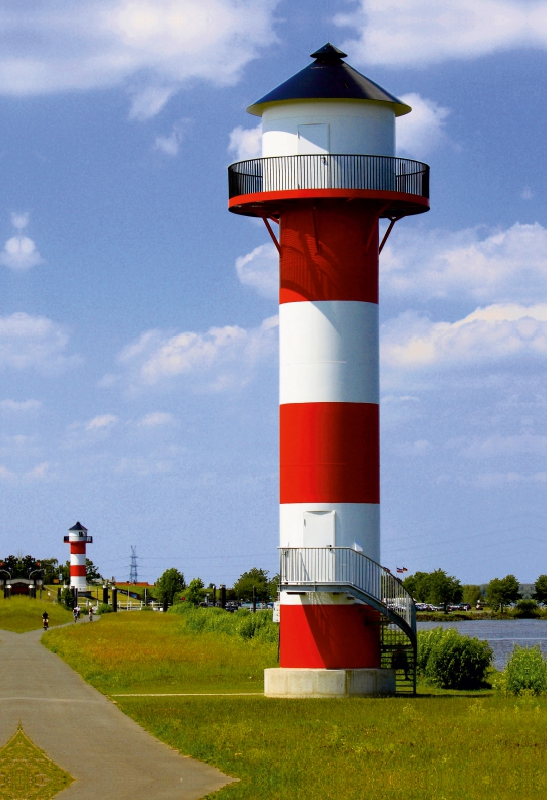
(319,528)
(313,138)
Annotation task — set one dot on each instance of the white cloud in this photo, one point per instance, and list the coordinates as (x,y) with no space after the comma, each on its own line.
(414,343)
(504,265)
(102,421)
(170,145)
(398,399)
(19,221)
(421,131)
(156,418)
(5,474)
(28,342)
(246,143)
(18,406)
(40,472)
(260,269)
(91,432)
(420,447)
(493,480)
(498,446)
(157,44)
(149,101)
(419,32)
(140,465)
(20,252)
(215,361)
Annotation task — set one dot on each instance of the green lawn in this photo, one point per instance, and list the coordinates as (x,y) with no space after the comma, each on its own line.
(21,614)
(142,651)
(439,747)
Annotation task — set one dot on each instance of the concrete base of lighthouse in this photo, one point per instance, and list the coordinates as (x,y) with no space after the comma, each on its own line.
(287,682)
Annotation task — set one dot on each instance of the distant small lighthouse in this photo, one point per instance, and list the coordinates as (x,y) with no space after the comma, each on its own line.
(77,539)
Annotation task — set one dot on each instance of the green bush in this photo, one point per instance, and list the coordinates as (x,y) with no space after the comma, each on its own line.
(450,660)
(193,593)
(104,608)
(426,641)
(526,671)
(67,598)
(526,609)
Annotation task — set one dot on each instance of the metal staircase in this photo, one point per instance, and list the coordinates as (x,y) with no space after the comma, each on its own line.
(343,569)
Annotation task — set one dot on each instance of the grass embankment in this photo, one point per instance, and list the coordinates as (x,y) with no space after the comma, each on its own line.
(482,747)
(151,652)
(22,614)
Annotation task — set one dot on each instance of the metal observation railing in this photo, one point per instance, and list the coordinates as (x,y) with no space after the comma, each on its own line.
(282,173)
(343,569)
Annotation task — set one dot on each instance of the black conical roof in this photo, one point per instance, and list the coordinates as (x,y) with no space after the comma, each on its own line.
(78,527)
(328,78)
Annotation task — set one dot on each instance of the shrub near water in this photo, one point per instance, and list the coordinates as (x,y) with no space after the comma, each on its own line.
(452,661)
(526,672)
(526,609)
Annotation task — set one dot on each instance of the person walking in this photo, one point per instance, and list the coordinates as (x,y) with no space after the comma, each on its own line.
(91,614)
(45,620)
(75,613)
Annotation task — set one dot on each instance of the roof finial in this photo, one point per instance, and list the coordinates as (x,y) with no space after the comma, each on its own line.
(329,53)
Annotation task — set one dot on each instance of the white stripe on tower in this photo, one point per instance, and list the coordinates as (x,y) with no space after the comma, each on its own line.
(329,354)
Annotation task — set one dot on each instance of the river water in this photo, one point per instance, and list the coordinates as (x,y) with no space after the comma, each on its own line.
(501,634)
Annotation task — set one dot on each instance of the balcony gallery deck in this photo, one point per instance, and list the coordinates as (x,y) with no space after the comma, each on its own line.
(400,185)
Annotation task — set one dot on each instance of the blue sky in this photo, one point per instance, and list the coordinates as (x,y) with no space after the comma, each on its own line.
(138,329)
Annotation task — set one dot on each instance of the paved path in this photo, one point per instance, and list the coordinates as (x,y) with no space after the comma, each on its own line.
(118,759)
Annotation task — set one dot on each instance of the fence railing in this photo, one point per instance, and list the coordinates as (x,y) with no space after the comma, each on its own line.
(341,569)
(282,173)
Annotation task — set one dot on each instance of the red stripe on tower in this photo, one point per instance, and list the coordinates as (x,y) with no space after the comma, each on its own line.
(329,253)
(329,453)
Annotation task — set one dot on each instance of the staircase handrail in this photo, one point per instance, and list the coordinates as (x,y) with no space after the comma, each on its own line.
(346,569)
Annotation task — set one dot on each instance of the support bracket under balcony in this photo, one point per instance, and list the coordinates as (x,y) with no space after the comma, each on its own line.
(386,234)
(272,234)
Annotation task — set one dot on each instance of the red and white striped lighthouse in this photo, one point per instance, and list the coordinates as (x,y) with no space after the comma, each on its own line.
(328,173)
(78,539)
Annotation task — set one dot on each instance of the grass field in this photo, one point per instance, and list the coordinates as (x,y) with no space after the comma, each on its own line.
(153,652)
(442,746)
(21,614)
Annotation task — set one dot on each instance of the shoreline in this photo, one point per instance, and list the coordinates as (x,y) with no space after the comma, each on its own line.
(462,616)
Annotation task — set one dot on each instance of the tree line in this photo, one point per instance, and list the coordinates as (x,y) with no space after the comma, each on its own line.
(441,589)
(50,569)
(171,586)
